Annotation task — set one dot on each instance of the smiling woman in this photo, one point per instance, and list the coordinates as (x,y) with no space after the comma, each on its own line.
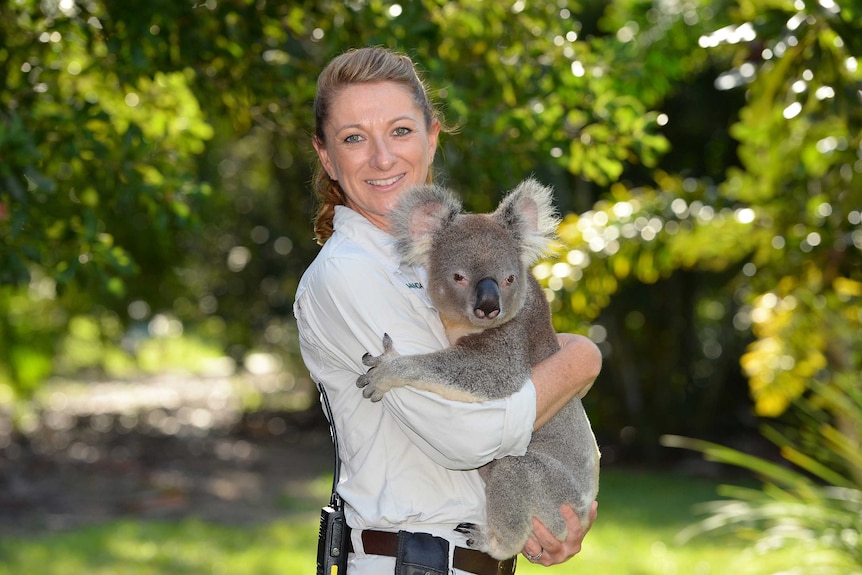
(376,133)
(376,144)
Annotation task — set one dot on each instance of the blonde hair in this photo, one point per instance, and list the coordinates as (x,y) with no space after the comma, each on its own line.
(357,66)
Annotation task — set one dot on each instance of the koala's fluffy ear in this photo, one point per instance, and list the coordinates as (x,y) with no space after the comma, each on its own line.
(528,211)
(420,213)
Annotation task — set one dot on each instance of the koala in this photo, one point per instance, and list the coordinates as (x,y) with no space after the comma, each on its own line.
(498,323)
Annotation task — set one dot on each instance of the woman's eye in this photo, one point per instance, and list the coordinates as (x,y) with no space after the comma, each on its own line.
(353,138)
(402,131)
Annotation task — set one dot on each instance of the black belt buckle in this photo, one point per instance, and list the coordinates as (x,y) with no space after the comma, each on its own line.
(421,554)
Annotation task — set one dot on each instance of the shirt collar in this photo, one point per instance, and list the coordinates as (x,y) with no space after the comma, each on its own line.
(358,229)
(353,227)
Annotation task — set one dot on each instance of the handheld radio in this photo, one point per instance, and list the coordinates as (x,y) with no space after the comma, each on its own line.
(332,538)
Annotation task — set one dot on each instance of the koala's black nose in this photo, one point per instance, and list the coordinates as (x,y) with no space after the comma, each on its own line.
(487,299)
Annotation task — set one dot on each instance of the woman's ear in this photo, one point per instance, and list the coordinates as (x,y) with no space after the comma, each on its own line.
(323,154)
(433,134)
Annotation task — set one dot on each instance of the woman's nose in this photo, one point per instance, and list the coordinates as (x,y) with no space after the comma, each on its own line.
(382,157)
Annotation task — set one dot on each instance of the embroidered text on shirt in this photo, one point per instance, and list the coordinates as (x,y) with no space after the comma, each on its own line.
(415,285)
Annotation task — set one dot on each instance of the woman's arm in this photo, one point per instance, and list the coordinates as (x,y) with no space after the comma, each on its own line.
(569,372)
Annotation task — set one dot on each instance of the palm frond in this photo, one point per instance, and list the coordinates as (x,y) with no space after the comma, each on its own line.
(812,499)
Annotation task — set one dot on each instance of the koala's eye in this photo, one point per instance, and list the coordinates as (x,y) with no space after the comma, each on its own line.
(459,279)
(510,279)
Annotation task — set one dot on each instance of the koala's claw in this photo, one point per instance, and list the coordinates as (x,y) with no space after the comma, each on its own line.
(465,528)
(470,530)
(375,394)
(369,389)
(371,361)
(372,383)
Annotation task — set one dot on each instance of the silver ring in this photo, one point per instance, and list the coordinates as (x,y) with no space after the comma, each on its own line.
(535,557)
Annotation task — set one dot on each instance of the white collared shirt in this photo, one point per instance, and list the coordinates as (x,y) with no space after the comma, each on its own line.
(409,461)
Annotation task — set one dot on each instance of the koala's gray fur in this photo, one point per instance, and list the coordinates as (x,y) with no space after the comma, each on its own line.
(499,324)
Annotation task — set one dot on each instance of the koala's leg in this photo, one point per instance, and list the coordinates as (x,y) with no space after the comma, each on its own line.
(569,439)
(509,519)
(520,488)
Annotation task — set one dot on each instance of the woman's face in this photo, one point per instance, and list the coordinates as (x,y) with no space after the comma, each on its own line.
(377,146)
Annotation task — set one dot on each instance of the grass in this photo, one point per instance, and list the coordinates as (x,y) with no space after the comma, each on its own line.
(154,548)
(640,513)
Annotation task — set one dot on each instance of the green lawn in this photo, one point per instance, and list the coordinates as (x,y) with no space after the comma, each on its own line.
(640,514)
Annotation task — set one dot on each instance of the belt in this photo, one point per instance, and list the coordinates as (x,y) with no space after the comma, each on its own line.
(469,560)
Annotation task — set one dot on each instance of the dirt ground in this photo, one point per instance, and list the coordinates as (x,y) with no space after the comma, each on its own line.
(74,468)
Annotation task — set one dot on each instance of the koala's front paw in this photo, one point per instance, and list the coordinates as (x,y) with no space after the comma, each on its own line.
(474,533)
(479,538)
(377,380)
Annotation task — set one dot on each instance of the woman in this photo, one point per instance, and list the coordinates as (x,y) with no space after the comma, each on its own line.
(409,461)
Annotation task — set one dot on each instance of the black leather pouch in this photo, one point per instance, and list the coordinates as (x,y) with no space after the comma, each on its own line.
(421,554)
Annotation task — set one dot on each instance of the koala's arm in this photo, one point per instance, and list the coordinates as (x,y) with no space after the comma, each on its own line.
(469,373)
(478,428)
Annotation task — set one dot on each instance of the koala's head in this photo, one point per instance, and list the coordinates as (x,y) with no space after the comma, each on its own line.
(477,263)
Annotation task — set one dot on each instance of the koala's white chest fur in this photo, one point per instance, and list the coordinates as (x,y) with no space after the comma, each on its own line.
(457,330)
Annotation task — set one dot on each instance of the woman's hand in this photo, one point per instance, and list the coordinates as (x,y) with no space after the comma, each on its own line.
(545,549)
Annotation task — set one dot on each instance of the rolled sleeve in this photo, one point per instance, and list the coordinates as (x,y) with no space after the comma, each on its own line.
(459,435)
(519,421)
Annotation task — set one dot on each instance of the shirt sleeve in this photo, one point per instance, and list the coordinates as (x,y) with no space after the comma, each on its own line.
(347,309)
(461,435)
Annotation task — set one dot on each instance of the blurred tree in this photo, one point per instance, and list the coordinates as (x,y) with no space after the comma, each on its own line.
(97,176)
(130,124)
(776,242)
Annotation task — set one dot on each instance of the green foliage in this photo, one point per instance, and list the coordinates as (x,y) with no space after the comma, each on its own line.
(780,234)
(98,175)
(800,134)
(89,343)
(26,349)
(103,155)
(545,95)
(126,125)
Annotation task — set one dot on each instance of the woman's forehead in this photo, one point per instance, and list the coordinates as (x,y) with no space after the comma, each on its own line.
(373,103)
